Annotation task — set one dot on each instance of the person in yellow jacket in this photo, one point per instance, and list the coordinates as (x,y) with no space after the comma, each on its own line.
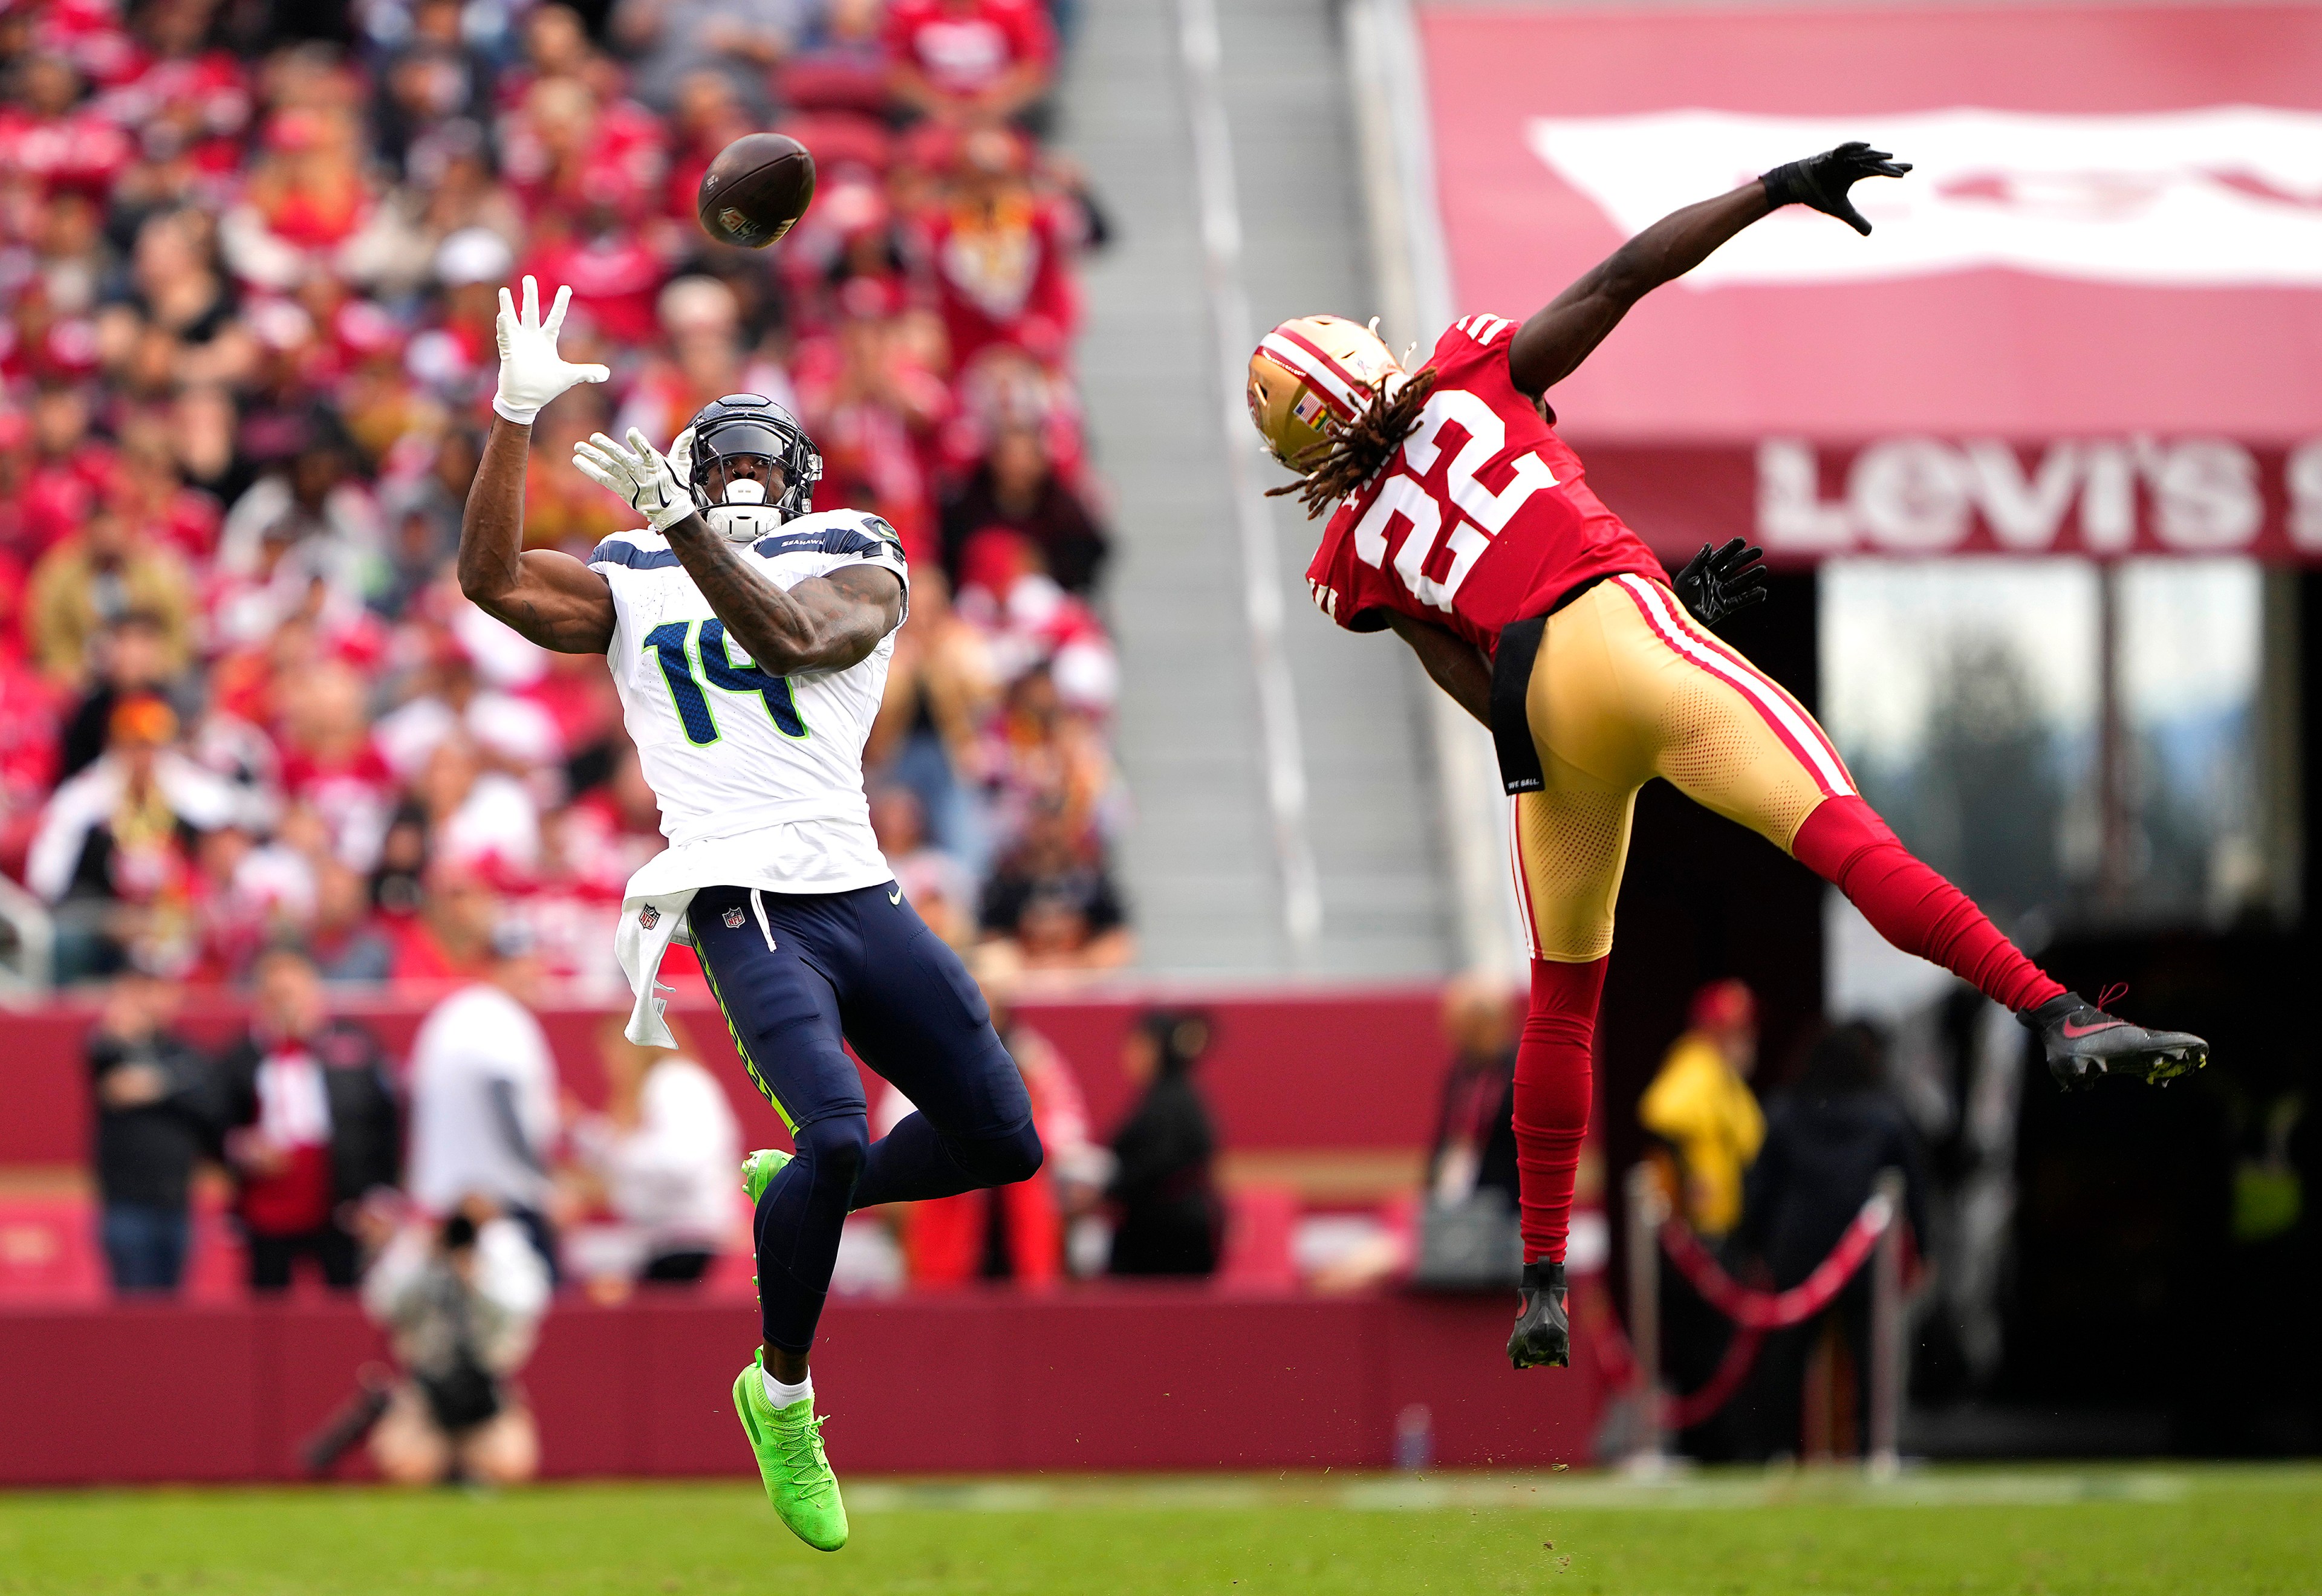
(1701,1105)
(1700,1109)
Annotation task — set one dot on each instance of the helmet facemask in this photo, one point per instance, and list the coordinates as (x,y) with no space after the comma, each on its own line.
(749,465)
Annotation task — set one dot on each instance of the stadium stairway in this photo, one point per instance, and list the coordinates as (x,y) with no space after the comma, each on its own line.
(1204,859)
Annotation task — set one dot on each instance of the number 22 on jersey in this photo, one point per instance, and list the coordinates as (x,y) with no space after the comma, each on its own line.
(1483,513)
(717,667)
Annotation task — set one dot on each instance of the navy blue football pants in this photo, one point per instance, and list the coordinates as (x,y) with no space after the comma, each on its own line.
(800,974)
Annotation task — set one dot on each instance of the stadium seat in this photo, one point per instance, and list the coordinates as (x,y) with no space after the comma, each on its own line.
(840,139)
(812,85)
(1261,1220)
(48,1252)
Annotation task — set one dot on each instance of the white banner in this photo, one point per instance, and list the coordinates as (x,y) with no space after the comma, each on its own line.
(2224,197)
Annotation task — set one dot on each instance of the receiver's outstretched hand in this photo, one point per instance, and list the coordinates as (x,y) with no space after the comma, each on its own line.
(532,373)
(639,473)
(1821,181)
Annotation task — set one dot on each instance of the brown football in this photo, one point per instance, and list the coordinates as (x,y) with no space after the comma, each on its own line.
(756,189)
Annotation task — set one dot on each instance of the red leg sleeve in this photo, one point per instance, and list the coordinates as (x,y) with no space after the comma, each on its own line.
(1551,1097)
(1846,844)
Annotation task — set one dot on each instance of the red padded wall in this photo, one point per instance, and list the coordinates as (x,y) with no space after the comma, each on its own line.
(1116,1377)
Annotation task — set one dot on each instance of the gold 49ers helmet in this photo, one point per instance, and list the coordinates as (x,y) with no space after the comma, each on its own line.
(1309,373)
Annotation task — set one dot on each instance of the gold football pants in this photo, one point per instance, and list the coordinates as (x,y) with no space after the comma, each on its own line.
(1628,686)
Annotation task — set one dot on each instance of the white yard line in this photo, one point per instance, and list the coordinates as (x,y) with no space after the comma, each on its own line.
(1565,1492)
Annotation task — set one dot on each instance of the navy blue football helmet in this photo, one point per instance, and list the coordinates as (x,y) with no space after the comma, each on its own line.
(736,445)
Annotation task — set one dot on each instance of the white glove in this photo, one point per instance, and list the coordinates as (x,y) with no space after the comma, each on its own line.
(639,473)
(531,373)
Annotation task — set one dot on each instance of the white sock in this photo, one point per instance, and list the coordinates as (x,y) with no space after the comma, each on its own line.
(781,1395)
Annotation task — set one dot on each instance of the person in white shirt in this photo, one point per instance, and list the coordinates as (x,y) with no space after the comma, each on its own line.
(483,1097)
(749,639)
(664,1149)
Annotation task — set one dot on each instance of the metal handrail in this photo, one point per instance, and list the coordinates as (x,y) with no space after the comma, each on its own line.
(31,973)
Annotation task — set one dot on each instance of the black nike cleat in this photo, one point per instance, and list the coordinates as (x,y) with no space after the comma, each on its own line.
(2084,1042)
(1543,1335)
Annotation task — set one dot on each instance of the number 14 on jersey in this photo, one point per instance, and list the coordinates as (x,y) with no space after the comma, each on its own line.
(720,669)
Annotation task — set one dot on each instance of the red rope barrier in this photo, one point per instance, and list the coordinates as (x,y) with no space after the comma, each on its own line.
(1619,1362)
(1614,1356)
(1753,1312)
(1754,1309)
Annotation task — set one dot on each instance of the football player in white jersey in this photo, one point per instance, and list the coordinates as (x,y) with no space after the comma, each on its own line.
(749,639)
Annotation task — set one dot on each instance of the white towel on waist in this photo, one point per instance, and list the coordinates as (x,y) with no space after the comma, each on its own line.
(649,921)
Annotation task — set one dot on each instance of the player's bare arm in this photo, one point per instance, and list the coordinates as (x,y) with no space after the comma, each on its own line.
(1551,346)
(1453,664)
(541,594)
(825,622)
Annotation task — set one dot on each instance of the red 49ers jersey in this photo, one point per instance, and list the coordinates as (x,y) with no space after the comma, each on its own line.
(1480,518)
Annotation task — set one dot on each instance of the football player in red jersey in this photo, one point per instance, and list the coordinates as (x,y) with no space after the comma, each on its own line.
(1460,521)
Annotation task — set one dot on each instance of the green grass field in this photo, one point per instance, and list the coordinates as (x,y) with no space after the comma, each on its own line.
(2160,1529)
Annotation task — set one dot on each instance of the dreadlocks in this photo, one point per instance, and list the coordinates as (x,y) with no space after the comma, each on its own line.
(1356,450)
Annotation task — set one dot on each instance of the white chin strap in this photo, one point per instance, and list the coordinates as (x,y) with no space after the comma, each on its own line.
(747,520)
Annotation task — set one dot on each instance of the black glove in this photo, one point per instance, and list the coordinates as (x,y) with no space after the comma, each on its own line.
(1822,180)
(1713,585)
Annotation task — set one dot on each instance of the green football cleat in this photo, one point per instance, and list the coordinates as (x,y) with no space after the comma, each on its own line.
(759,1170)
(788,1442)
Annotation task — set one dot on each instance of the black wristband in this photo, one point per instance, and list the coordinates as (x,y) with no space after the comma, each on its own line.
(1785,184)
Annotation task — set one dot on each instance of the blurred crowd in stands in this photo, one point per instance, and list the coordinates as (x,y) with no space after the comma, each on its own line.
(332,1147)
(250,253)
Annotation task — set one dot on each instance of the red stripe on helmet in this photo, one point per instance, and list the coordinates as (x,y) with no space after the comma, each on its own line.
(1330,362)
(1324,382)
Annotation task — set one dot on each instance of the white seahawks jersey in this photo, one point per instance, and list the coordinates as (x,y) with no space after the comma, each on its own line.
(769,767)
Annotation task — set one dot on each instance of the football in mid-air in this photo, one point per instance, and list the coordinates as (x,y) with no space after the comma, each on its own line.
(756,189)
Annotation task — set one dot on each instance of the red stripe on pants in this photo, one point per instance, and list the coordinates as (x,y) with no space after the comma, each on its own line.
(1551,1097)
(1846,844)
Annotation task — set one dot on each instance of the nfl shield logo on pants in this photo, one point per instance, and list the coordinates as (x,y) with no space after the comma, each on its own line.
(733,918)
